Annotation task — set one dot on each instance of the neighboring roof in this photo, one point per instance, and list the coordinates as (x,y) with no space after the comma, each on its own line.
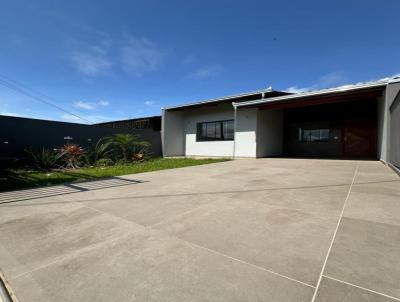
(131,120)
(242,97)
(316,93)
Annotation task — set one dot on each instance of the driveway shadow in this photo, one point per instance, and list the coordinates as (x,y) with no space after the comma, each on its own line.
(69,188)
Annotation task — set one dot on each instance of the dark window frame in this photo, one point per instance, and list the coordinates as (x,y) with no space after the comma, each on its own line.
(222,136)
(315,134)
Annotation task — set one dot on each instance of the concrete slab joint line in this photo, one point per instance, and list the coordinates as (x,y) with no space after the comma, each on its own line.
(244,262)
(71,255)
(334,235)
(151,227)
(360,287)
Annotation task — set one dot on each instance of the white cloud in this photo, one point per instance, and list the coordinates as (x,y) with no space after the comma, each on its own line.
(72,118)
(206,72)
(4,110)
(396,75)
(92,61)
(8,113)
(153,104)
(103,103)
(83,105)
(139,55)
(325,81)
(295,89)
(90,105)
(130,54)
(330,79)
(333,80)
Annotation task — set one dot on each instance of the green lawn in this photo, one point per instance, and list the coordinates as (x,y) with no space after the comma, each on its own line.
(17,179)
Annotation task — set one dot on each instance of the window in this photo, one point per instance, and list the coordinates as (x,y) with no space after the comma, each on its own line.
(215,131)
(314,134)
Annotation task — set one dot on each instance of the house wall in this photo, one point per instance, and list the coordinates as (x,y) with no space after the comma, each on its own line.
(394,125)
(385,132)
(269,135)
(245,135)
(381,128)
(172,133)
(206,114)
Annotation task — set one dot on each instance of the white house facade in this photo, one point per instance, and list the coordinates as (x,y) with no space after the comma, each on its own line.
(352,121)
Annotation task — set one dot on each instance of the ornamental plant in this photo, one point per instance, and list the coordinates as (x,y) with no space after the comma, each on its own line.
(45,159)
(73,155)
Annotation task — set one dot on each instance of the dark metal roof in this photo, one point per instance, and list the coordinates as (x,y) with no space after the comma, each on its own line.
(237,98)
(346,89)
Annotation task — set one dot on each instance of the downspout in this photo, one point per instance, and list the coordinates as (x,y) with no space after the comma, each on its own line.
(234,130)
(162,132)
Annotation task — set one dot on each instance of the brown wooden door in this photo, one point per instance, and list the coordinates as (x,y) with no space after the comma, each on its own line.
(360,138)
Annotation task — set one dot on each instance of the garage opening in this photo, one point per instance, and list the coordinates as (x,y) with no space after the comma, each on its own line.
(336,124)
(335,130)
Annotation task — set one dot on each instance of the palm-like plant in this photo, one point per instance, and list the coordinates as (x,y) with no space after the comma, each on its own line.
(100,150)
(127,143)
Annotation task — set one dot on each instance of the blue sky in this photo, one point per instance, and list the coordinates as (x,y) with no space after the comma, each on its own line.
(107,60)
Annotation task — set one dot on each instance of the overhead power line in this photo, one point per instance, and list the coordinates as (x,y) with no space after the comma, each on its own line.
(23,89)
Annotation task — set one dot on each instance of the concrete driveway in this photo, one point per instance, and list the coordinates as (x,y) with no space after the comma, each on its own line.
(246,230)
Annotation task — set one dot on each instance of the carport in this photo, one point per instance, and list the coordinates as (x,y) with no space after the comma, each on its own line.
(343,122)
(343,126)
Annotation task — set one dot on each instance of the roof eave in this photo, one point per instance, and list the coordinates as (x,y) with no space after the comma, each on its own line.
(342,89)
(220,99)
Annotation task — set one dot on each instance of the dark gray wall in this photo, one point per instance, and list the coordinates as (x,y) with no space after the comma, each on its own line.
(24,132)
(394,149)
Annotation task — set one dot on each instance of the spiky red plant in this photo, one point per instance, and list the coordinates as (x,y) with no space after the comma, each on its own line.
(73,154)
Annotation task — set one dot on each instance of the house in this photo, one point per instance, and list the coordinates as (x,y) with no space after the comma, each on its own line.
(351,121)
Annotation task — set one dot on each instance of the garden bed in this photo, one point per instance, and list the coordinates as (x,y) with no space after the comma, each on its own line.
(20,179)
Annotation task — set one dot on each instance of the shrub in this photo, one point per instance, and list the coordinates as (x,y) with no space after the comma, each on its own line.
(141,151)
(104,162)
(122,161)
(45,159)
(98,151)
(138,156)
(72,155)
